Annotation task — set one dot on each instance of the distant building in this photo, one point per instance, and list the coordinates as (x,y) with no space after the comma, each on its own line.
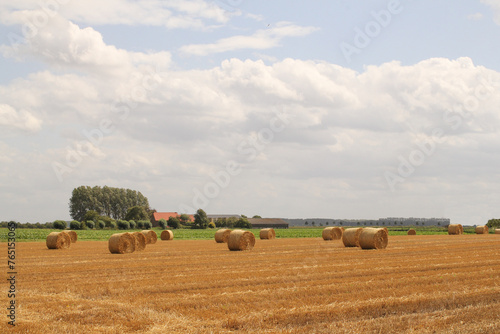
(268,223)
(166,215)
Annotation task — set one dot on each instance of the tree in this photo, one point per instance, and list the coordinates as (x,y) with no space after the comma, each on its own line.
(108,201)
(184,218)
(200,219)
(243,223)
(91,215)
(75,225)
(123,224)
(163,223)
(173,222)
(60,224)
(256,216)
(137,213)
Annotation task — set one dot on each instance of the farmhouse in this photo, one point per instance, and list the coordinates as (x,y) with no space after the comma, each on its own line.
(268,223)
(166,215)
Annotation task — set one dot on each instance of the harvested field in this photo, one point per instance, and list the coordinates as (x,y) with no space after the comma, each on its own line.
(418,284)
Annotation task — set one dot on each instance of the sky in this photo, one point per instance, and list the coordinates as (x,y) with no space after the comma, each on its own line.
(292,109)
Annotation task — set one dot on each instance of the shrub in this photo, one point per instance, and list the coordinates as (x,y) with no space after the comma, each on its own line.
(132,224)
(147,225)
(123,224)
(60,224)
(163,223)
(75,225)
(140,224)
(174,222)
(243,223)
(101,224)
(211,225)
(90,224)
(112,225)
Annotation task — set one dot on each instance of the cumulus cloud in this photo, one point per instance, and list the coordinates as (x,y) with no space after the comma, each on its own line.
(193,14)
(261,39)
(62,43)
(495,7)
(24,120)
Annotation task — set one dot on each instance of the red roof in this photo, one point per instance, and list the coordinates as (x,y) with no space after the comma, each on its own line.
(166,215)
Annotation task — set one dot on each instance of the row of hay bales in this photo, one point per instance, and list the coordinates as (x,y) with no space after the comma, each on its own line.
(364,237)
(455,229)
(61,240)
(129,242)
(238,240)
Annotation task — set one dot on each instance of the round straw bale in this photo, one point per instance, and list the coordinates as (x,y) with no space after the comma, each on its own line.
(497,231)
(350,237)
(150,235)
(332,233)
(455,229)
(373,238)
(267,233)
(482,229)
(58,240)
(73,236)
(240,240)
(412,232)
(167,235)
(140,241)
(222,235)
(121,243)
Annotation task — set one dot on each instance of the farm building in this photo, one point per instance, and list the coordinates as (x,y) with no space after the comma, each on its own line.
(268,223)
(166,215)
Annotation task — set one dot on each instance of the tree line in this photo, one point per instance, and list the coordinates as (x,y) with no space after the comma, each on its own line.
(105,201)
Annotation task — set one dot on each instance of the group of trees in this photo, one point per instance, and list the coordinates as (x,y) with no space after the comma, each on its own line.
(115,203)
(232,222)
(493,223)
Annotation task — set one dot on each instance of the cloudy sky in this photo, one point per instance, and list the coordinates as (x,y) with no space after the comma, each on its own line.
(324,109)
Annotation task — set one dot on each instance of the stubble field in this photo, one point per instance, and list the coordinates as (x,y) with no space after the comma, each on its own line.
(419,284)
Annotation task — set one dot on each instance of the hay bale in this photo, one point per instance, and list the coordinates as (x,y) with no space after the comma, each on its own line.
(58,240)
(412,232)
(167,235)
(455,229)
(73,236)
(482,229)
(373,238)
(267,233)
(350,237)
(222,235)
(140,241)
(497,231)
(332,233)
(150,235)
(240,240)
(121,243)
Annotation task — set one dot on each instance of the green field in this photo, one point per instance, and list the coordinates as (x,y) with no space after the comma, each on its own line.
(190,234)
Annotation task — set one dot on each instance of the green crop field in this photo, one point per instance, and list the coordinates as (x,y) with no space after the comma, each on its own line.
(23,234)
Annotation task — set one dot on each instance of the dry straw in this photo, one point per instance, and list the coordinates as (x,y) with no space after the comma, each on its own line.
(373,238)
(150,235)
(140,241)
(267,233)
(482,229)
(58,240)
(497,231)
(167,235)
(350,237)
(73,236)
(332,233)
(222,235)
(121,243)
(240,240)
(412,232)
(455,229)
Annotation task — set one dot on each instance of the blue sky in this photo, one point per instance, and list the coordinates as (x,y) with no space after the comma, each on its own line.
(335,109)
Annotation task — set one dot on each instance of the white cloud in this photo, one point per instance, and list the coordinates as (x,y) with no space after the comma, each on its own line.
(194,14)
(64,44)
(495,7)
(24,120)
(475,17)
(262,39)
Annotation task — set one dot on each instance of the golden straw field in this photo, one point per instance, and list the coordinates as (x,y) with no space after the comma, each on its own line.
(418,284)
